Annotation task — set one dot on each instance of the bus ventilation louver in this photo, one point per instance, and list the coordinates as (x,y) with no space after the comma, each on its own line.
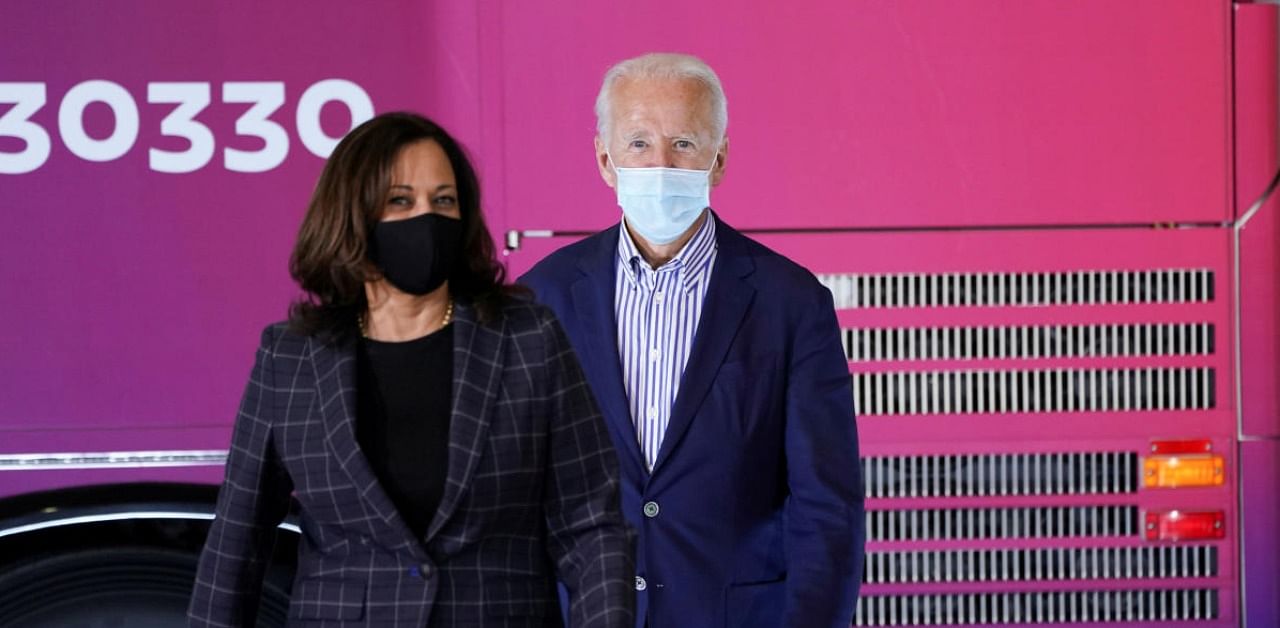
(1041,564)
(1092,287)
(1002,523)
(982,475)
(1034,390)
(1037,607)
(1028,342)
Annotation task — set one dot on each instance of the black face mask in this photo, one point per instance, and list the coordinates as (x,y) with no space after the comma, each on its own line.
(416,254)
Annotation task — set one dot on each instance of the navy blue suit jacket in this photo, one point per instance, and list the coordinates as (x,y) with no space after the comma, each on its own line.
(757,515)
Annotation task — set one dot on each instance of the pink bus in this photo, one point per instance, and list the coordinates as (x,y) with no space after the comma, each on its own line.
(1045,225)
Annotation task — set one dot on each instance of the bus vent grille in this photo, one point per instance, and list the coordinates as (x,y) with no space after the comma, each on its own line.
(1034,390)
(1027,342)
(1041,564)
(981,475)
(1088,287)
(1002,523)
(1037,607)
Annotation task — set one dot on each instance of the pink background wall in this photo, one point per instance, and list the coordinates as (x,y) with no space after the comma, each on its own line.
(136,295)
(133,298)
(892,113)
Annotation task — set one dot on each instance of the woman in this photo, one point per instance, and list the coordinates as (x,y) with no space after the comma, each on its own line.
(447,458)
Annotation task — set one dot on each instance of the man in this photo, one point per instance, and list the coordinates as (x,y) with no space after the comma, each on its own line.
(719,369)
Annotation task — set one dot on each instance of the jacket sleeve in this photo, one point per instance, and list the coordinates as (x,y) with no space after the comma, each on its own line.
(825,524)
(253,500)
(589,539)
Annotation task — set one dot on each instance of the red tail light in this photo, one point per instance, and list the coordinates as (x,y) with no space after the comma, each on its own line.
(1167,447)
(1177,525)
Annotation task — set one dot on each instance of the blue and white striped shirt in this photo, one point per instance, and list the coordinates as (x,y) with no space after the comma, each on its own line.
(658,313)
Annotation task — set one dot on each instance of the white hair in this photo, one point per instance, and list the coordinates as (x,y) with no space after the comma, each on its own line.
(663,65)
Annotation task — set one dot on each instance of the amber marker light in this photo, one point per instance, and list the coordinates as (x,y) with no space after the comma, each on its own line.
(1183,464)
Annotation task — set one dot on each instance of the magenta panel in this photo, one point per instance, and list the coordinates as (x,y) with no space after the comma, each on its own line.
(135,296)
(1261,516)
(1256,72)
(1257,141)
(1101,310)
(1004,376)
(893,114)
(116,438)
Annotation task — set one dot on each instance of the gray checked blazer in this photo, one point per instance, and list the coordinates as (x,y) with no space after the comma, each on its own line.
(531,494)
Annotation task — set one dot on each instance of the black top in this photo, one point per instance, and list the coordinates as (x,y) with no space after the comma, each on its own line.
(404,400)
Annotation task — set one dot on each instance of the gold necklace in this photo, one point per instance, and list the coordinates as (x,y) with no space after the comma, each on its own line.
(363,319)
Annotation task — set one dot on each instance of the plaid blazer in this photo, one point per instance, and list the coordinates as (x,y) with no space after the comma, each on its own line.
(531,493)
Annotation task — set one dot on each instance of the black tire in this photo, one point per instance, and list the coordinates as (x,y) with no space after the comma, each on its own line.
(135,587)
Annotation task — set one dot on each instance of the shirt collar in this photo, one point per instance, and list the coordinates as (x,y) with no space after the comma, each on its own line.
(690,263)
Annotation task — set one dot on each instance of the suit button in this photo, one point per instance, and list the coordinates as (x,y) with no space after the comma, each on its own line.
(651,509)
(421,571)
(641,584)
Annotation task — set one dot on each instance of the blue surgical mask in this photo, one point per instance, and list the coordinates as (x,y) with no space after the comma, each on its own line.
(662,203)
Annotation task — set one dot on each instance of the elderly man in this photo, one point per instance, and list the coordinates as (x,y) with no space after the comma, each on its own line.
(718,366)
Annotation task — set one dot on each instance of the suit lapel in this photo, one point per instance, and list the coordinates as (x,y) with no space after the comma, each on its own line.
(335,373)
(729,295)
(477,377)
(593,301)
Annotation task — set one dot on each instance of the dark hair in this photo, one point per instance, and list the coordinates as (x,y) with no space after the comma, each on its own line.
(330,258)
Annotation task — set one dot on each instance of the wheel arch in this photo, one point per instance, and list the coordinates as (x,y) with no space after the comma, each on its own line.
(170,516)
